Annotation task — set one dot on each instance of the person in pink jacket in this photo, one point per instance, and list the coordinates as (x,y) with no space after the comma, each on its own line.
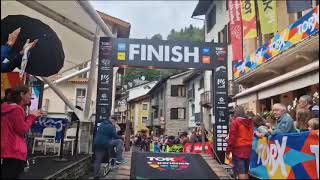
(14,126)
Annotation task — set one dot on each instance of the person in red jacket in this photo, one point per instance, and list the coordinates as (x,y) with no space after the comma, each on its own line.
(14,126)
(240,142)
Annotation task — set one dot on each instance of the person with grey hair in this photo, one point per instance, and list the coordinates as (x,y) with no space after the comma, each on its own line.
(284,121)
(305,102)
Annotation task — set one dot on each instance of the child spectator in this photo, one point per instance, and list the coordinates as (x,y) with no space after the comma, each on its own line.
(302,118)
(313,124)
(259,124)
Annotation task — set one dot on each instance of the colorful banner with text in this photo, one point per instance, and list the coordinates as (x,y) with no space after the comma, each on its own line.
(248,13)
(289,156)
(236,29)
(295,33)
(268,16)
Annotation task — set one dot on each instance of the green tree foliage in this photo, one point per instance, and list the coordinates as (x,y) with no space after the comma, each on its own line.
(190,33)
(149,74)
(157,37)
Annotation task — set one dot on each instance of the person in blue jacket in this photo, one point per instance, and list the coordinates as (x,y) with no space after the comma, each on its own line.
(106,137)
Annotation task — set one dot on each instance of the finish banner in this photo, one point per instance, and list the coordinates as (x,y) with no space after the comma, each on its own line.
(248,13)
(289,156)
(236,29)
(300,30)
(268,16)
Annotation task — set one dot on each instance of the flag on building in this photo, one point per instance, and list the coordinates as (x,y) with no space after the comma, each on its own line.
(268,16)
(248,13)
(236,29)
(294,6)
(10,80)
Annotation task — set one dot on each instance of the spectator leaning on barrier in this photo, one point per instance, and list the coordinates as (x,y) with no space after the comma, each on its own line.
(284,122)
(240,142)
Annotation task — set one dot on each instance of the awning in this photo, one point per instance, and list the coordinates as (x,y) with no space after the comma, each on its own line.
(296,79)
(201,8)
(76,28)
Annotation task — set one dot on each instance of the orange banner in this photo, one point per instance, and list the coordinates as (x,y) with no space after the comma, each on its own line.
(10,80)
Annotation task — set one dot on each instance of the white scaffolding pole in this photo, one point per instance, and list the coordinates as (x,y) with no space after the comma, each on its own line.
(92,74)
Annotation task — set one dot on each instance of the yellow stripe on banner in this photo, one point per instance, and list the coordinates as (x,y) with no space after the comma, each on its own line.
(248,14)
(268,16)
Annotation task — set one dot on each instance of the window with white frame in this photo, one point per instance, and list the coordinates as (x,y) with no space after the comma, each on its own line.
(80,97)
(82,66)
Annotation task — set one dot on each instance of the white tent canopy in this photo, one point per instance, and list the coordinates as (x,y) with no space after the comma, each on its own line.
(73,21)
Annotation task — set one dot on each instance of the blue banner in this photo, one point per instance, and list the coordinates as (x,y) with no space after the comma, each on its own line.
(288,156)
(44,122)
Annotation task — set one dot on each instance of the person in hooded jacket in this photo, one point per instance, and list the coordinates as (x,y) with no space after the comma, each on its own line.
(106,137)
(240,142)
(14,126)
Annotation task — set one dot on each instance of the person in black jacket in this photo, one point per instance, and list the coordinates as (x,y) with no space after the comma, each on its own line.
(106,137)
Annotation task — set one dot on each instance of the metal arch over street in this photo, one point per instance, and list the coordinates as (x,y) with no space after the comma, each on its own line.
(165,55)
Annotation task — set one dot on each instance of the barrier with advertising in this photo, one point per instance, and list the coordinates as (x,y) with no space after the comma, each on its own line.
(198,148)
(289,156)
(44,122)
(295,33)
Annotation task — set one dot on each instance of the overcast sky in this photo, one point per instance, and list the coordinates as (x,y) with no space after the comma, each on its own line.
(151,17)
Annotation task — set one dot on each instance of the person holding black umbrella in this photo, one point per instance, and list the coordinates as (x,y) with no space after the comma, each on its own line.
(47,58)
(12,59)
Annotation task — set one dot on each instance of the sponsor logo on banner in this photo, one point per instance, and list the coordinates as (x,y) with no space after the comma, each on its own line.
(221,53)
(168,163)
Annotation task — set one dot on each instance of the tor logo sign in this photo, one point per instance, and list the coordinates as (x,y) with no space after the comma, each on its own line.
(168,163)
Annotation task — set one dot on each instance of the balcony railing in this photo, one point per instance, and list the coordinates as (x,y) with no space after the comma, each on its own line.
(205,99)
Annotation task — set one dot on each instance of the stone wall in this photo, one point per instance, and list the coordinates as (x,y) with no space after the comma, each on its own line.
(73,171)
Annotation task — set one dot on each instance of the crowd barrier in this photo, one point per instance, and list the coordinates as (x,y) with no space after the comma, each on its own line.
(288,156)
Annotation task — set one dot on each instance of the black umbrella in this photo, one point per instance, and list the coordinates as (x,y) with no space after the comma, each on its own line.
(47,57)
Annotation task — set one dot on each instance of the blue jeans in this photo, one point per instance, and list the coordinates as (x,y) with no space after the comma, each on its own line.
(100,153)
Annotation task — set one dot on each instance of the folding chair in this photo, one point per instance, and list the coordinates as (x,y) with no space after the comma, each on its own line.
(71,138)
(48,134)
